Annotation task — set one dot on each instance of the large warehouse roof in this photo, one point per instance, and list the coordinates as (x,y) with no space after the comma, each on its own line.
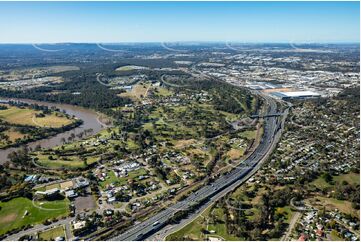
(300,94)
(296,94)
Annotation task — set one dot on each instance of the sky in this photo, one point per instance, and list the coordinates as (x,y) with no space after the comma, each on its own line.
(113,22)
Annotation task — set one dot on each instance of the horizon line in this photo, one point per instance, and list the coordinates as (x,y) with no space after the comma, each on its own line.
(185,42)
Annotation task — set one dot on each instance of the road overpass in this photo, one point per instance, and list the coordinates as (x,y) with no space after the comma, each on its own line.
(266,115)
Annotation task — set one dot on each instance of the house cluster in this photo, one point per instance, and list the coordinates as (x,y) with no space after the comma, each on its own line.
(30,83)
(118,191)
(124,82)
(324,141)
(129,191)
(109,193)
(294,158)
(239,143)
(176,158)
(95,142)
(314,227)
(149,201)
(121,170)
(188,175)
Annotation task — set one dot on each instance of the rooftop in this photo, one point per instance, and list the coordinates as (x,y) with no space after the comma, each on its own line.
(296,94)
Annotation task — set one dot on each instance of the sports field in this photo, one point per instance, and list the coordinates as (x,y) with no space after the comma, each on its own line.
(20,211)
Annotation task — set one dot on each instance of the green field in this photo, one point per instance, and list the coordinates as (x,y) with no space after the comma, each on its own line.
(36,122)
(321,183)
(286,212)
(58,162)
(13,136)
(130,68)
(12,212)
(251,134)
(138,91)
(335,236)
(332,204)
(26,116)
(51,234)
(193,230)
(44,188)
(65,156)
(163,92)
(351,178)
(52,120)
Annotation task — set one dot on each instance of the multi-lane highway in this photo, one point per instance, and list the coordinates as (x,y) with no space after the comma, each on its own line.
(144,229)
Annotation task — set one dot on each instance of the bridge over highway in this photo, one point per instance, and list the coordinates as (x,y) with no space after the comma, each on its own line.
(267,115)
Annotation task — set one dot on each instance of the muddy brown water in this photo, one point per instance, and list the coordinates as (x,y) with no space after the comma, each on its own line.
(89,117)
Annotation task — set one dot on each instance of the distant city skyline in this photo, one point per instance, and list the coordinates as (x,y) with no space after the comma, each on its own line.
(117,22)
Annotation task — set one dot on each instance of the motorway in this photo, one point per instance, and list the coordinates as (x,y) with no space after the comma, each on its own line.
(148,227)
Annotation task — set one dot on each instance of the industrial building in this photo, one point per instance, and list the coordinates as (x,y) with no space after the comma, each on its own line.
(295,95)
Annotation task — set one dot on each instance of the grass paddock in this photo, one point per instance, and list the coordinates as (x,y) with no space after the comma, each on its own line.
(52,234)
(12,213)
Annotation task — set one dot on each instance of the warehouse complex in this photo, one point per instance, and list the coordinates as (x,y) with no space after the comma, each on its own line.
(295,95)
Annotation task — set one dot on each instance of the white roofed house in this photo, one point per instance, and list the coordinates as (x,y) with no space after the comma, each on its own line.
(71,194)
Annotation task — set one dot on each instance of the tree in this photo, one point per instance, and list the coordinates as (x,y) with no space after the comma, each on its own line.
(327,177)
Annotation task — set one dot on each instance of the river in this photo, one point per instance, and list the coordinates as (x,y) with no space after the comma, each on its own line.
(89,117)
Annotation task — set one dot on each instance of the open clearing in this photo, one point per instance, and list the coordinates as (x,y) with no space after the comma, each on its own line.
(52,121)
(13,136)
(26,116)
(234,154)
(162,92)
(70,162)
(85,203)
(249,134)
(12,213)
(193,230)
(52,234)
(332,204)
(131,68)
(138,91)
(350,178)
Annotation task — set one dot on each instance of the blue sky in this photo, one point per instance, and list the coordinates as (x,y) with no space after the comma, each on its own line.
(49,22)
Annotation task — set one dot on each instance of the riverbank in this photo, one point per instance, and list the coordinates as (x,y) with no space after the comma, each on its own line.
(90,126)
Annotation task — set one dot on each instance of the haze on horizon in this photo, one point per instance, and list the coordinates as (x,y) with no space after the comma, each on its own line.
(116,22)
